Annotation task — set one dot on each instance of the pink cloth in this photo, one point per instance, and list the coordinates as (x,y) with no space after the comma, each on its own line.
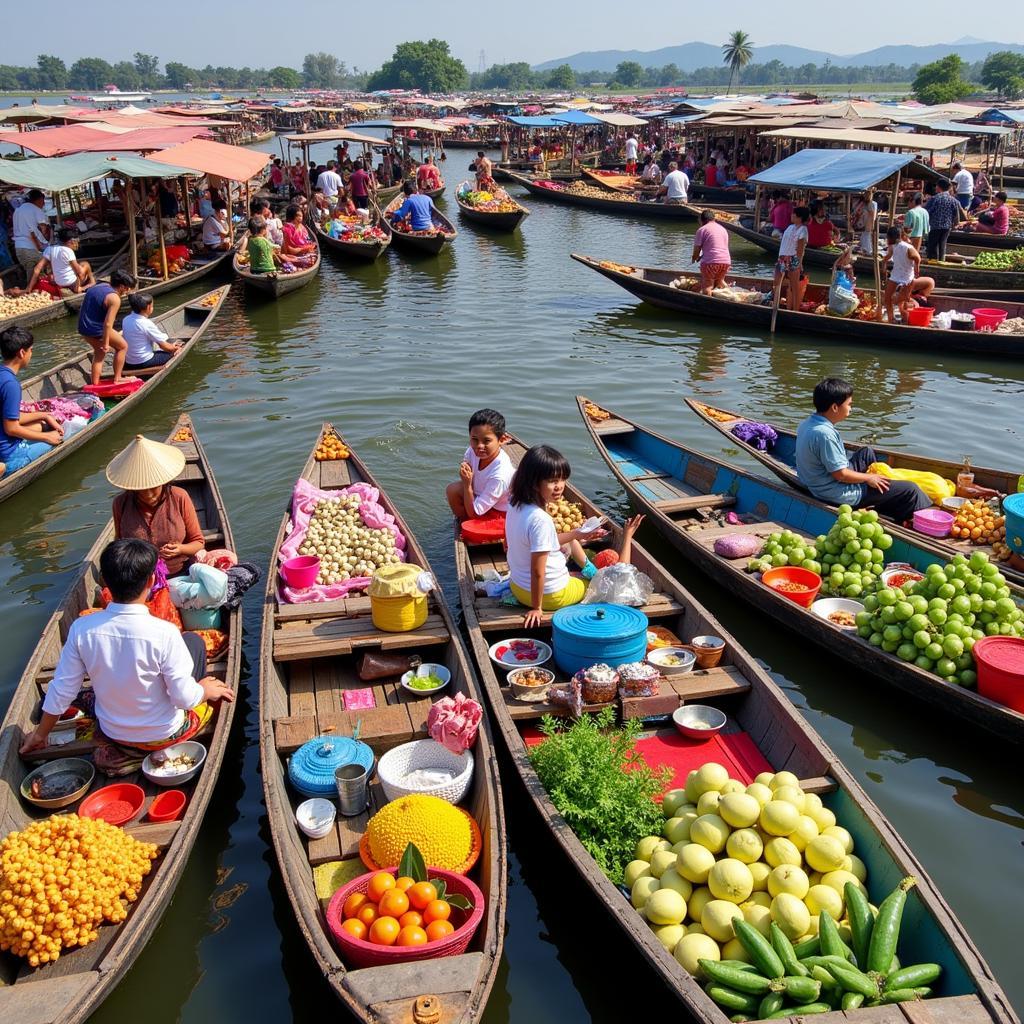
(296,235)
(61,409)
(713,240)
(304,499)
(781,215)
(454,722)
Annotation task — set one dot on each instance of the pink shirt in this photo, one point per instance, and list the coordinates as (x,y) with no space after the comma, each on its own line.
(1000,221)
(782,214)
(713,240)
(296,235)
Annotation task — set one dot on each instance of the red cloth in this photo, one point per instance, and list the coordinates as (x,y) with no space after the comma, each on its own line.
(819,235)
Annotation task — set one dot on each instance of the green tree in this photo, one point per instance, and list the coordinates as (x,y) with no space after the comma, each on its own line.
(148,69)
(284,78)
(9,79)
(125,76)
(629,73)
(90,73)
(421,65)
(562,78)
(179,76)
(669,75)
(942,81)
(51,72)
(737,53)
(518,75)
(321,70)
(1004,72)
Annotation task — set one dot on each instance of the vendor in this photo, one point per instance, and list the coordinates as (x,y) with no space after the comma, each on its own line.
(296,240)
(428,177)
(995,220)
(418,208)
(149,507)
(821,232)
(834,476)
(148,681)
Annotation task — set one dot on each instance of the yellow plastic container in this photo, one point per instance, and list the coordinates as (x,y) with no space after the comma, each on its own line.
(397,605)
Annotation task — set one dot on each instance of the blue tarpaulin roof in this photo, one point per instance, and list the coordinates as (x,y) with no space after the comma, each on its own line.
(837,170)
(576,117)
(537,121)
(1006,116)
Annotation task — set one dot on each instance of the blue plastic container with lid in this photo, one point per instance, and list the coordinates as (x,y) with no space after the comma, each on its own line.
(587,634)
(1013,509)
(311,768)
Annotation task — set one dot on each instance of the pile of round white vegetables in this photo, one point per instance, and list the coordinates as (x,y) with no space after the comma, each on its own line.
(346,546)
(16,305)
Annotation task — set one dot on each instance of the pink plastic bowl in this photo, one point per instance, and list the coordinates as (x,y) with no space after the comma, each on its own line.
(300,572)
(933,522)
(987,319)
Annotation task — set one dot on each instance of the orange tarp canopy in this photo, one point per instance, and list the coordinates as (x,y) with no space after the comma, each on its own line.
(215,158)
(82,138)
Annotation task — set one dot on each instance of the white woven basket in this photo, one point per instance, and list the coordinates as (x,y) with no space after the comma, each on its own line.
(396,764)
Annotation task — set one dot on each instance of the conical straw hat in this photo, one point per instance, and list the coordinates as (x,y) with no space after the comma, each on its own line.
(145,464)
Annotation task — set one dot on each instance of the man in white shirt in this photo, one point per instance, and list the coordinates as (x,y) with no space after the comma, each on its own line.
(216,230)
(31,231)
(676,186)
(632,148)
(69,273)
(963,181)
(142,670)
(330,181)
(148,345)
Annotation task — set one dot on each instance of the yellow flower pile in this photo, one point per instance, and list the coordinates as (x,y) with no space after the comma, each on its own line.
(440,831)
(61,878)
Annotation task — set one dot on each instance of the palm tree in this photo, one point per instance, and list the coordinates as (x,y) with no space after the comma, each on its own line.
(737,53)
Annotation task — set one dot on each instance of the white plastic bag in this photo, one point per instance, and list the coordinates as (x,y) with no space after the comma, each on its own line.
(619,584)
(203,587)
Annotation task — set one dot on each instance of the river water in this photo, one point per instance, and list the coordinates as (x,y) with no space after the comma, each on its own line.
(397,355)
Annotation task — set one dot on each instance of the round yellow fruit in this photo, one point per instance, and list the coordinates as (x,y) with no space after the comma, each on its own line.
(765,779)
(695,946)
(710,832)
(694,862)
(838,879)
(806,829)
(761,897)
(760,871)
(856,867)
(635,869)
(824,897)
(779,818)
(709,801)
(662,861)
(646,847)
(822,816)
(695,929)
(784,779)
(740,810)
(840,833)
(790,914)
(780,850)
(757,915)
(677,829)
(731,880)
(642,890)
(791,794)
(665,906)
(788,879)
(669,935)
(735,950)
(812,802)
(733,786)
(716,919)
(761,793)
(671,879)
(825,853)
(691,792)
(672,801)
(698,901)
(745,845)
(711,775)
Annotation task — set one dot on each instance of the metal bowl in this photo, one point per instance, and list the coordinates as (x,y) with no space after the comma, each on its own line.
(74,768)
(531,693)
(698,721)
(190,747)
(686,658)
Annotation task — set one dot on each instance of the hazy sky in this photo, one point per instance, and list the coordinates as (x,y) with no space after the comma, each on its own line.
(262,33)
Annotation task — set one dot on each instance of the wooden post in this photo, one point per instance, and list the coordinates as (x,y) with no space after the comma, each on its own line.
(129,216)
(187,196)
(874,261)
(160,234)
(231,219)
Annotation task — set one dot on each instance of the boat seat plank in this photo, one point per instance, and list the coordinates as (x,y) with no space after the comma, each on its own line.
(820,784)
(334,473)
(295,641)
(529,711)
(342,607)
(374,986)
(494,616)
(708,536)
(291,732)
(946,1010)
(350,830)
(689,504)
(188,449)
(32,1004)
(324,849)
(613,426)
(721,681)
(161,833)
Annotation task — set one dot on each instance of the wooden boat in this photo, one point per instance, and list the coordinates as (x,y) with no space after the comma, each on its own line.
(432,242)
(71,989)
(185,323)
(201,265)
(277,284)
(494,219)
(685,492)
(368,250)
(494,142)
(732,197)
(972,238)
(654,285)
(307,662)
(436,193)
(756,707)
(951,274)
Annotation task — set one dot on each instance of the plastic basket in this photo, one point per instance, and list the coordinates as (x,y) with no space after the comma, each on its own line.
(397,763)
(987,319)
(1000,662)
(809,581)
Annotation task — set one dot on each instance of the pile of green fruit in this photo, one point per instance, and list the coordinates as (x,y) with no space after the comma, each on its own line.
(935,622)
(786,548)
(853,553)
(1001,259)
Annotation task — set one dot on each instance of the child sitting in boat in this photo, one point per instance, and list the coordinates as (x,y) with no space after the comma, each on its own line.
(538,573)
(486,470)
(263,257)
(148,345)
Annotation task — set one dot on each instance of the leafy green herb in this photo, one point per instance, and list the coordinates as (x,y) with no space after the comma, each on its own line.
(601,786)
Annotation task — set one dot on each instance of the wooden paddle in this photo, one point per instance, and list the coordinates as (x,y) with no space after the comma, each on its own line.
(776,297)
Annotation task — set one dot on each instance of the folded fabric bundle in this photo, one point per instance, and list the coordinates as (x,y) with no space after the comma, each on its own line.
(240,578)
(761,435)
(204,587)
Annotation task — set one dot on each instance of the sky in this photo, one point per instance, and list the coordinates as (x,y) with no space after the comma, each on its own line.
(264,33)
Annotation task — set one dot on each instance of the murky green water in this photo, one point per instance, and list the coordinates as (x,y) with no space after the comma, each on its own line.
(397,355)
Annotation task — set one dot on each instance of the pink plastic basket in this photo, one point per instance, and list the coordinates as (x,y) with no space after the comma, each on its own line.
(933,522)
(301,571)
(987,319)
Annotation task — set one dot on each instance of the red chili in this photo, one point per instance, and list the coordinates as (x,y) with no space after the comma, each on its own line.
(116,810)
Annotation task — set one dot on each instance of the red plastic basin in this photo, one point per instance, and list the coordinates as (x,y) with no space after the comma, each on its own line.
(485,529)
(921,316)
(988,319)
(808,582)
(114,804)
(1000,662)
(168,806)
(301,571)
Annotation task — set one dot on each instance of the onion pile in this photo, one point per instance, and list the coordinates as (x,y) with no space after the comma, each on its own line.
(346,546)
(16,305)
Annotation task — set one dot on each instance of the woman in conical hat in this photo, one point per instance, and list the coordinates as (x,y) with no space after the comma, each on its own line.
(150,508)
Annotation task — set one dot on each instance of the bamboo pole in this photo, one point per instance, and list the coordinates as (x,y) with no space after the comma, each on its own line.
(231,219)
(160,234)
(874,260)
(129,216)
(187,196)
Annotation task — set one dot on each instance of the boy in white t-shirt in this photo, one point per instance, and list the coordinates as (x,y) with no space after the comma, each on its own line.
(486,471)
(790,264)
(60,259)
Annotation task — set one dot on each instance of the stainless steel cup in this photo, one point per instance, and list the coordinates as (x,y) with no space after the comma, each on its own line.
(351,782)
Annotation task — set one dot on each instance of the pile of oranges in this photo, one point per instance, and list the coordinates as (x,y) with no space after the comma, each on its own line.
(979,523)
(330,449)
(397,912)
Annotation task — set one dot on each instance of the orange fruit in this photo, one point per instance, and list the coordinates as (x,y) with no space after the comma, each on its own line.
(412,935)
(367,913)
(404,883)
(437,910)
(352,905)
(384,931)
(379,884)
(421,894)
(411,917)
(394,903)
(355,928)
(439,930)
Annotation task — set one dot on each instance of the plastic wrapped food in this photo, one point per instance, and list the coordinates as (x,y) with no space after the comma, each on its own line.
(619,584)
(569,696)
(738,545)
(638,679)
(599,683)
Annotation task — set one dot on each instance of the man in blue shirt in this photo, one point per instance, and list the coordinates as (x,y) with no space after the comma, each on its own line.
(419,208)
(24,436)
(837,478)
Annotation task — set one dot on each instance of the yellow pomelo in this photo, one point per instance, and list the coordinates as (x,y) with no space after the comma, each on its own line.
(759,871)
(675,830)
(691,791)
(838,879)
(840,833)
(662,861)
(781,851)
(812,802)
(790,914)
(671,879)
(856,867)
(745,845)
(824,897)
(824,853)
(695,929)
(642,890)
(669,935)
(694,862)
(709,801)
(646,847)
(788,879)
(672,801)
(711,776)
(733,786)
(758,915)
(784,779)
(761,897)
(822,816)
(695,946)
(716,919)
(765,779)
(635,869)
(731,880)
(665,906)
(761,793)
(735,950)
(698,901)
(779,818)
(740,810)
(806,829)
(791,794)
(710,832)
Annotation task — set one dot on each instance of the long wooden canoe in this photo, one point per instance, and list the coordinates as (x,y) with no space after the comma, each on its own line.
(989,241)
(185,323)
(685,492)
(756,707)
(493,219)
(432,242)
(71,989)
(277,284)
(959,275)
(654,285)
(369,250)
(307,663)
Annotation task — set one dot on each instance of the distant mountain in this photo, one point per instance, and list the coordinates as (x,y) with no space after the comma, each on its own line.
(690,56)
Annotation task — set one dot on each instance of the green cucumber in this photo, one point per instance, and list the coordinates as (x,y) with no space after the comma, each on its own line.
(749,982)
(806,948)
(770,1004)
(862,921)
(852,1000)
(799,989)
(913,976)
(886,932)
(787,955)
(900,995)
(761,953)
(730,999)
(799,1011)
(740,965)
(853,980)
(828,935)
